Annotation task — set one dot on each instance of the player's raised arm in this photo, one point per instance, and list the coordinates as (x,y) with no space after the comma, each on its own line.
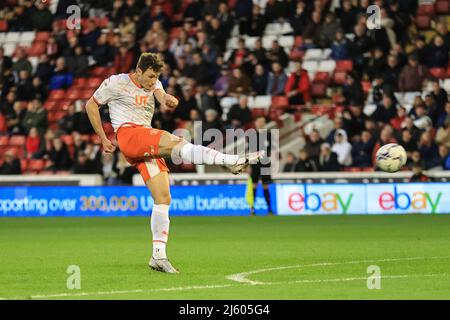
(96,121)
(165,99)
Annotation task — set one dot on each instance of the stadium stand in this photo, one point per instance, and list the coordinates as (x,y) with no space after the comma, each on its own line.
(358,82)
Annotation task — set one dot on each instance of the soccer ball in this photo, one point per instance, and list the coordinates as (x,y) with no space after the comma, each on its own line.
(391,157)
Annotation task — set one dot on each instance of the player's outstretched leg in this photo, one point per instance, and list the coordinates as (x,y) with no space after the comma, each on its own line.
(159,188)
(172,146)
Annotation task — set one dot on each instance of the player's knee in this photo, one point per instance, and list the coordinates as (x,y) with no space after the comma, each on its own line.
(164,198)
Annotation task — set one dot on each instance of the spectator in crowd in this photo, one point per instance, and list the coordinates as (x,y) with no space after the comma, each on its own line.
(340,47)
(82,123)
(78,64)
(313,144)
(437,54)
(444,116)
(328,160)
(102,53)
(259,81)
(300,18)
(439,96)
(44,69)
(443,134)
(22,62)
(212,122)
(445,157)
(33,143)
(305,163)
(398,121)
(59,156)
(239,83)
(385,111)
(14,118)
(277,54)
(24,86)
(342,148)
(428,151)
(289,165)
(277,81)
(338,123)
(209,100)
(38,90)
(362,150)
(412,75)
(407,142)
(328,32)
(352,91)
(83,165)
(391,73)
(240,53)
(240,114)
(347,14)
(11,165)
(298,87)
(354,120)
(221,84)
(188,102)
(421,119)
(42,18)
(61,78)
(68,122)
(418,175)
(256,24)
(35,117)
(416,159)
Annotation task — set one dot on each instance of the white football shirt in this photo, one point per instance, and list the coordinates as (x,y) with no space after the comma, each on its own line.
(127,101)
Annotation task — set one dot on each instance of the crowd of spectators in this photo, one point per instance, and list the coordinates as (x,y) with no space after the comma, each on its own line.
(192,39)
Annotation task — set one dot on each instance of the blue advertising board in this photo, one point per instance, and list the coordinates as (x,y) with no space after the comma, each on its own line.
(286,199)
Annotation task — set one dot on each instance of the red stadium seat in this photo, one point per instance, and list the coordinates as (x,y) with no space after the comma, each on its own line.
(366,85)
(42,36)
(322,77)
(51,105)
(94,82)
(96,139)
(57,94)
(99,72)
(36,165)
(258,112)
(280,102)
(17,140)
(3,127)
(55,116)
(426,10)
(344,65)
(24,164)
(67,139)
(80,83)
(3,25)
(298,41)
(73,94)
(86,94)
(37,49)
(86,137)
(19,151)
(319,89)
(439,73)
(296,54)
(442,6)
(423,22)
(339,77)
(4,141)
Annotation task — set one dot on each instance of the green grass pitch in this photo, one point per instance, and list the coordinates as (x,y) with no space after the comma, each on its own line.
(308,257)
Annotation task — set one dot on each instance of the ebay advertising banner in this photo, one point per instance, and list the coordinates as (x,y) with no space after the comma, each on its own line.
(307,199)
(408,198)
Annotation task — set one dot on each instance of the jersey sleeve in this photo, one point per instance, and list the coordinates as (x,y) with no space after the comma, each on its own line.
(105,92)
(158,85)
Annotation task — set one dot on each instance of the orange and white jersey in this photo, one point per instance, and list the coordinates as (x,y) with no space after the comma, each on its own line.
(128,102)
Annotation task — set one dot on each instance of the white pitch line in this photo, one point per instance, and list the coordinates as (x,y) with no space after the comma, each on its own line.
(101,293)
(242,277)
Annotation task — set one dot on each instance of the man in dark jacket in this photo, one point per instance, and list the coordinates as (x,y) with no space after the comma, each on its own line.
(11,164)
(328,160)
(412,75)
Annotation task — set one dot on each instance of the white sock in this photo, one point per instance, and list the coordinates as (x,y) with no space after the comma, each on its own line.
(197,154)
(160,230)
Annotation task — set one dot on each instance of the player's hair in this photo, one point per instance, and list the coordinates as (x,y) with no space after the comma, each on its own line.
(149,60)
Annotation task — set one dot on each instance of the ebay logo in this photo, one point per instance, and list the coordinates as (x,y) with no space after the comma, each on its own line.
(314,201)
(418,200)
